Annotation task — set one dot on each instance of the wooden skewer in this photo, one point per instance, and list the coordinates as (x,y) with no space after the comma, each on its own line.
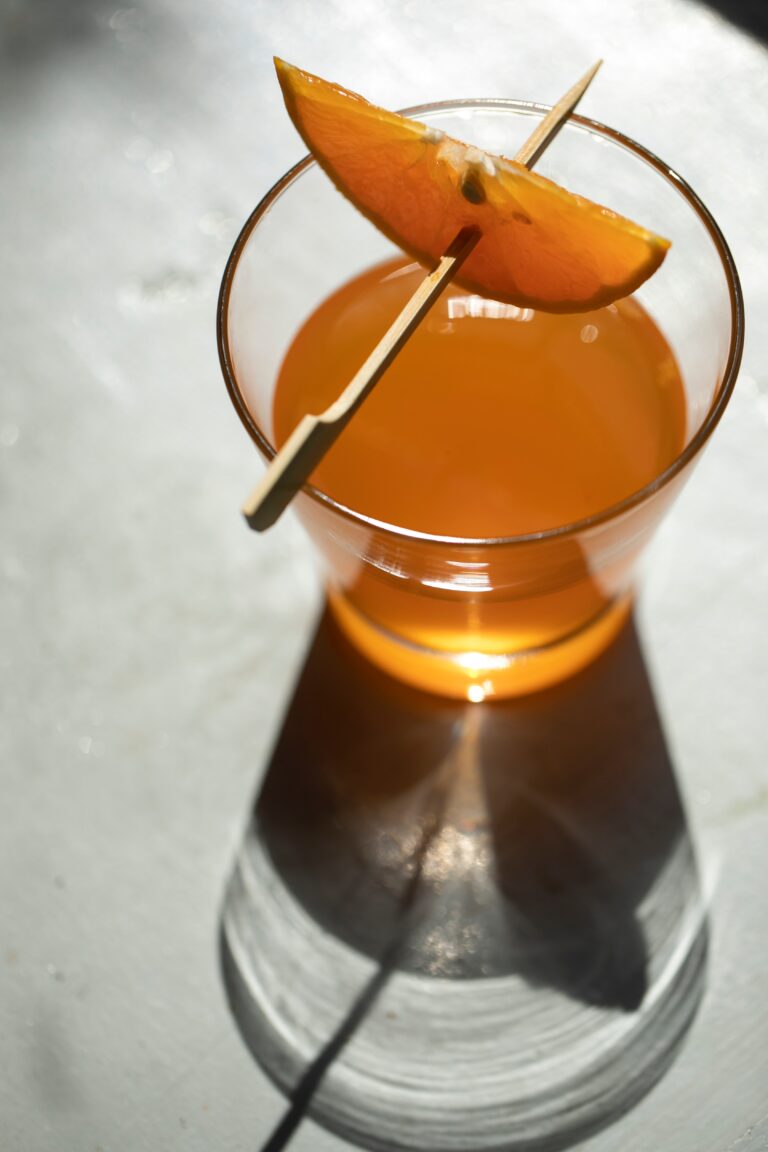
(548,128)
(314,435)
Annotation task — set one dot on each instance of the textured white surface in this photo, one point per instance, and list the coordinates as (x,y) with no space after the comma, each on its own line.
(150,643)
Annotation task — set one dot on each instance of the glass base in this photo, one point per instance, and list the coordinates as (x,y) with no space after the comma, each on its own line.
(479,676)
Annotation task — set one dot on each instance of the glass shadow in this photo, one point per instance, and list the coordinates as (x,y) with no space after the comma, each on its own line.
(464,926)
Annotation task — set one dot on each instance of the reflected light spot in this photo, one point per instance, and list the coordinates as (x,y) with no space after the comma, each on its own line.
(476,693)
(405,271)
(13,570)
(454,853)
(123,18)
(478,307)
(137,149)
(589,334)
(480,661)
(126,23)
(160,161)
(215,224)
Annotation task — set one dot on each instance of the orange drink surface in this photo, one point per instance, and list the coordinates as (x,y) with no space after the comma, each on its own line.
(493,421)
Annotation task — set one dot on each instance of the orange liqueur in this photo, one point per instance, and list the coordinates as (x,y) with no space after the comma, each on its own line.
(493,421)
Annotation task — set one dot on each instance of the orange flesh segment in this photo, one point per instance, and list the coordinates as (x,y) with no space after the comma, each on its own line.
(542,247)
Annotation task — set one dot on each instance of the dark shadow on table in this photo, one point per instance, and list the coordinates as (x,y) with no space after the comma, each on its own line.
(36,34)
(460,842)
(751,15)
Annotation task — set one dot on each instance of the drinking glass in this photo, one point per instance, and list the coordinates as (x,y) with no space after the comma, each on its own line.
(483,617)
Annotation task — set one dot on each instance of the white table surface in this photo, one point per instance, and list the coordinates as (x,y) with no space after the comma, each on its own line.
(150,643)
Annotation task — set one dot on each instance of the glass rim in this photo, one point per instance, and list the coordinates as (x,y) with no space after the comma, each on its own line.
(604,515)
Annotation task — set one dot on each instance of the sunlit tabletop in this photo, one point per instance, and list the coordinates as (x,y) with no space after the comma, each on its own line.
(151,644)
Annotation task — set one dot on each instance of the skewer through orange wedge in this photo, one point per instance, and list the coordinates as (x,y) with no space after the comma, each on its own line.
(541,247)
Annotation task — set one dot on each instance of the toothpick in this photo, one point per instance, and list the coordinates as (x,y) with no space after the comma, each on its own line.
(314,435)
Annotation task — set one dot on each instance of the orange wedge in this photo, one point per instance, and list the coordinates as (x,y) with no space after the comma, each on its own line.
(542,246)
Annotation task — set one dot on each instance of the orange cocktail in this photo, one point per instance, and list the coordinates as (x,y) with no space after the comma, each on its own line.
(494,421)
(482,514)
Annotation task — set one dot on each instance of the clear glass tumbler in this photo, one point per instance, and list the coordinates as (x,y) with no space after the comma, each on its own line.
(477,618)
